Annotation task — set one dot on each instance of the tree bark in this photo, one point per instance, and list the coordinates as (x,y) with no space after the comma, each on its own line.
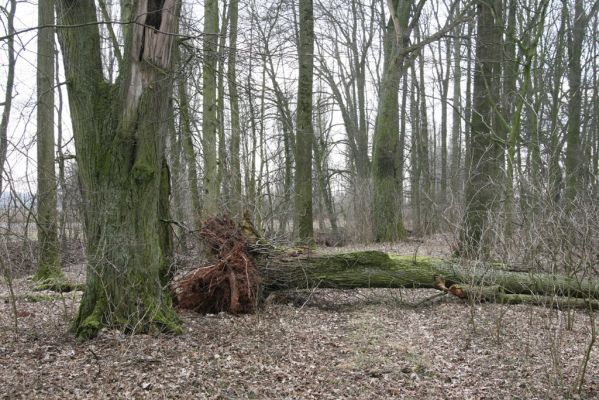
(456,123)
(387,218)
(209,108)
(485,150)
(222,175)
(10,80)
(554,148)
(236,202)
(120,132)
(374,269)
(188,147)
(48,268)
(305,133)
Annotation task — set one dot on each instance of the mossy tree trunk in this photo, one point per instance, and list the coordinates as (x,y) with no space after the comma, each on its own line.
(485,146)
(303,223)
(374,269)
(516,98)
(48,268)
(120,132)
(387,218)
(245,262)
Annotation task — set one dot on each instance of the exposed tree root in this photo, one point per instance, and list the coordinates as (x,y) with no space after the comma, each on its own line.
(228,283)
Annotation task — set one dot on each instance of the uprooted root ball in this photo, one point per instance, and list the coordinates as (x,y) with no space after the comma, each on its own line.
(229,282)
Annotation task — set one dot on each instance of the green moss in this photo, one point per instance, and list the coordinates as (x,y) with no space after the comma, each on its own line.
(153,316)
(162,317)
(48,272)
(167,322)
(56,283)
(39,298)
(89,327)
(143,173)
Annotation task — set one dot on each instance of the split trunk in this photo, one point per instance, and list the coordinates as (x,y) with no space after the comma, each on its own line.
(120,131)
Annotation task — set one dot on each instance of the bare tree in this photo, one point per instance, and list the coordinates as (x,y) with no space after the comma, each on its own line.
(48,268)
(10,81)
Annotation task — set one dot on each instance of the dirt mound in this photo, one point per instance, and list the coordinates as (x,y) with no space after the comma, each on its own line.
(229,282)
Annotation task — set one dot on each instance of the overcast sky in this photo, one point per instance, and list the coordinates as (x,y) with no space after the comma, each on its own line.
(21,165)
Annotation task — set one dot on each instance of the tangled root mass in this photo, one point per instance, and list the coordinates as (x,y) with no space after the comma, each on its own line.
(229,282)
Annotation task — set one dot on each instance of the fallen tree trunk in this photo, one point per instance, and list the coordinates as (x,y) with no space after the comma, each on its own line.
(243,274)
(376,269)
(496,294)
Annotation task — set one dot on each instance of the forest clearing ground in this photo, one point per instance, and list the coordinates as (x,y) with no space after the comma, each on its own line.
(367,344)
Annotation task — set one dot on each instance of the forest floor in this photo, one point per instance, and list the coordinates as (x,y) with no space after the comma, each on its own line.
(359,344)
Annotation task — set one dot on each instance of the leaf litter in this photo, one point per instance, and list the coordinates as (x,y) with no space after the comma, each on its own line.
(359,344)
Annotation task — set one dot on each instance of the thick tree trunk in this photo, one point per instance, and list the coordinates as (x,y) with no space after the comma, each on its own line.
(485,152)
(120,133)
(387,220)
(374,269)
